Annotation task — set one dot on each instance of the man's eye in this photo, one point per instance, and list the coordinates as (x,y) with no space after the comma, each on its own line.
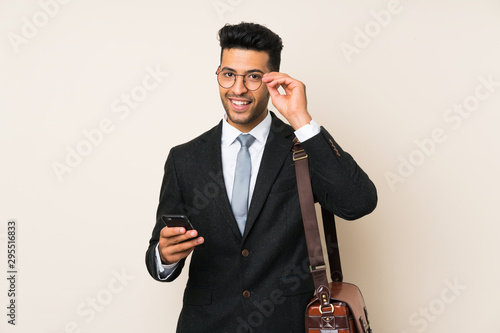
(254,77)
(228,74)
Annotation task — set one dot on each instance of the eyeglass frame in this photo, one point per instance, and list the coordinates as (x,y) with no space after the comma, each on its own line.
(218,71)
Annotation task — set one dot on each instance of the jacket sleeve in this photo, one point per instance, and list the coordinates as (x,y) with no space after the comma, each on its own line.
(170,203)
(338,183)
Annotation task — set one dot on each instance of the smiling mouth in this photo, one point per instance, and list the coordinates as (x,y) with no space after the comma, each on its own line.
(240,104)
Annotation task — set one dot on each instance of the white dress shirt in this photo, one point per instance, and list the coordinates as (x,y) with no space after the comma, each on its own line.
(229,151)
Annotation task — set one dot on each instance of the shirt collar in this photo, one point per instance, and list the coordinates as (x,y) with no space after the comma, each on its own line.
(260,132)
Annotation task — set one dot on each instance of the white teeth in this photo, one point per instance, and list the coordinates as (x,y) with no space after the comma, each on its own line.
(240,102)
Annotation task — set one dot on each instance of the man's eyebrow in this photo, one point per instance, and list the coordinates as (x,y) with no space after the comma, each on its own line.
(249,71)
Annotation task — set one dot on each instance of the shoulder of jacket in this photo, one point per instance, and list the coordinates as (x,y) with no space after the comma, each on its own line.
(212,134)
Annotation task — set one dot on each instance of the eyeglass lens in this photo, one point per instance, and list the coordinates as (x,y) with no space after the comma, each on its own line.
(251,80)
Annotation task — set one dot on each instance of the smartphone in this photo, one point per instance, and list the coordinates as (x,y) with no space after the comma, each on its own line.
(177,221)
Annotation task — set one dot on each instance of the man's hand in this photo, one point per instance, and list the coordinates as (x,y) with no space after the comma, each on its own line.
(176,244)
(293,104)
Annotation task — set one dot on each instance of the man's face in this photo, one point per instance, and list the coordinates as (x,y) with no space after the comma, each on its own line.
(245,109)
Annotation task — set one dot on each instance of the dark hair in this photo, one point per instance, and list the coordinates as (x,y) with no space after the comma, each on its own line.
(252,36)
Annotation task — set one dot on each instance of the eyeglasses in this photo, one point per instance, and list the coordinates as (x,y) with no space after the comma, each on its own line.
(226,79)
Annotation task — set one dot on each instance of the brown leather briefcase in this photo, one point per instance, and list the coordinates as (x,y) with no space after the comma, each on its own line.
(340,316)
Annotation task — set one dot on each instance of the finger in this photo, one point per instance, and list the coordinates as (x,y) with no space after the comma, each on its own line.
(277,81)
(287,85)
(176,252)
(281,77)
(186,236)
(172,231)
(169,236)
(273,75)
(167,232)
(186,246)
(276,85)
(273,91)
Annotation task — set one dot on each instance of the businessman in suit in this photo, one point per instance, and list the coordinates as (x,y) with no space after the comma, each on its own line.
(248,270)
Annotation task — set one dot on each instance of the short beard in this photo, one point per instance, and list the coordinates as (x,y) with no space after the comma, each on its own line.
(250,119)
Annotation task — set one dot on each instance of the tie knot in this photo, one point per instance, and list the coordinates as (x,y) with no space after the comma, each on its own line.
(245,140)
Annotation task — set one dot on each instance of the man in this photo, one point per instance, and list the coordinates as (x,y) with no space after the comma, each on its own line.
(246,272)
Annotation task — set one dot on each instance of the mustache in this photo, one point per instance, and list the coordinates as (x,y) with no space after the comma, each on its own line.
(240,96)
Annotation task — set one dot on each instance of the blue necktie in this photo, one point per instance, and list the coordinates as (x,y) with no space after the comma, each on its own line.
(241,186)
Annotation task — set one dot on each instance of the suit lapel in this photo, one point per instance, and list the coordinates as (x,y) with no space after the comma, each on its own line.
(210,162)
(279,143)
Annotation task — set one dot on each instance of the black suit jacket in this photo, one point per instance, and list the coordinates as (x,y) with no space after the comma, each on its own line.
(258,281)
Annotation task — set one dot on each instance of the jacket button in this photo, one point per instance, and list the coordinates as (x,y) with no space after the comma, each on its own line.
(245,253)
(246,294)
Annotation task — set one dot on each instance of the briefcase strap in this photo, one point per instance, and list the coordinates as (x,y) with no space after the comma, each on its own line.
(341,291)
(311,228)
(313,238)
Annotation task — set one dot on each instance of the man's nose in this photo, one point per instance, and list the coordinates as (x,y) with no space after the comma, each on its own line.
(239,86)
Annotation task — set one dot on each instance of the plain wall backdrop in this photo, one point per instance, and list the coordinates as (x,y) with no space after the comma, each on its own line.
(93,94)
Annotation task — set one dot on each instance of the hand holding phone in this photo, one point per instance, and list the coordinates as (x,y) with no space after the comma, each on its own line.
(178,239)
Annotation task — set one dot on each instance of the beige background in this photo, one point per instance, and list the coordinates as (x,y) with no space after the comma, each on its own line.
(384,86)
